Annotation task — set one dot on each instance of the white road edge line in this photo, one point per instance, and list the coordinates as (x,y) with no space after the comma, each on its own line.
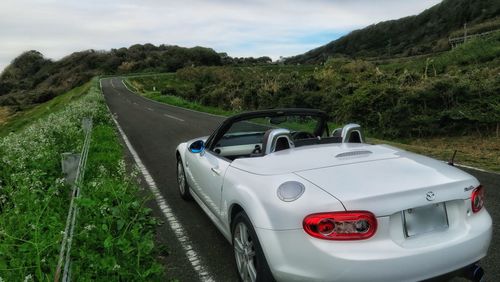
(165,104)
(150,109)
(175,225)
(169,116)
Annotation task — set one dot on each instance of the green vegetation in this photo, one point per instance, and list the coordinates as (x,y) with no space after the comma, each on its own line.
(114,232)
(452,94)
(32,79)
(489,25)
(477,151)
(168,81)
(425,33)
(17,121)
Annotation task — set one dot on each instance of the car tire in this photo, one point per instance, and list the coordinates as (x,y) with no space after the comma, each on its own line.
(251,264)
(182,182)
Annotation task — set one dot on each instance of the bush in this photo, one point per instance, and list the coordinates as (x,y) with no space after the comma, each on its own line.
(453,93)
(169,91)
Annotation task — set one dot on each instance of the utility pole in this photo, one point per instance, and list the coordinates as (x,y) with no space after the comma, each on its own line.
(465,32)
(389,42)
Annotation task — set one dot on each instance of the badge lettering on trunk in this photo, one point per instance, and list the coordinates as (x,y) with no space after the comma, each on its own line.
(430,196)
(468,188)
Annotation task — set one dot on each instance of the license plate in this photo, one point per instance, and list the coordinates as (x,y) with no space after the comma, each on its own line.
(425,219)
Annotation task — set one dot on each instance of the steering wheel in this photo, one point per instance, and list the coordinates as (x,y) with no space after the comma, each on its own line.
(298,135)
(257,150)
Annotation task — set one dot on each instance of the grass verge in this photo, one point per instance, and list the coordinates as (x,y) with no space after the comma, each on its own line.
(114,233)
(19,120)
(175,100)
(480,152)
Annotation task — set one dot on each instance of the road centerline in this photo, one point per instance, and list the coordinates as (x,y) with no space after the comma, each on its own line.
(174,117)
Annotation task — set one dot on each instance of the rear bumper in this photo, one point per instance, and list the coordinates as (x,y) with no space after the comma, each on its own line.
(295,256)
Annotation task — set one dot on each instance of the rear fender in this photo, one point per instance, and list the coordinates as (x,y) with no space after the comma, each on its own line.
(257,196)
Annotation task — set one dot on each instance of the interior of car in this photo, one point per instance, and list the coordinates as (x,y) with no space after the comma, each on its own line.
(257,137)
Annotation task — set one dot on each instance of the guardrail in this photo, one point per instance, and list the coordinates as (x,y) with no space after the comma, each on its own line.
(74,175)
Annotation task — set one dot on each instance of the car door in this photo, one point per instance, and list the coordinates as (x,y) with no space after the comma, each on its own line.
(207,171)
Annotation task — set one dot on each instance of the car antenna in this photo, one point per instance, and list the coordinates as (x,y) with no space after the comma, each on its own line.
(452,160)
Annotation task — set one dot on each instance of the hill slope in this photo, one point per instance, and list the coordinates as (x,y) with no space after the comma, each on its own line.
(32,79)
(448,94)
(414,35)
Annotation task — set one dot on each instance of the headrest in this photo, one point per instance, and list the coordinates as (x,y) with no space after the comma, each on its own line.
(271,138)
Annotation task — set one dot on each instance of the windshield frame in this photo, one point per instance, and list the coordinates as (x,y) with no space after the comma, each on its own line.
(321,127)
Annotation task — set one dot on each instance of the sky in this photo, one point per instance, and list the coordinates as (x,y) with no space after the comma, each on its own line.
(254,28)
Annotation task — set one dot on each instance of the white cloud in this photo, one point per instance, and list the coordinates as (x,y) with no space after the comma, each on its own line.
(240,28)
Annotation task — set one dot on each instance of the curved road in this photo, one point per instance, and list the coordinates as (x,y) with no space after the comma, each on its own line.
(154,130)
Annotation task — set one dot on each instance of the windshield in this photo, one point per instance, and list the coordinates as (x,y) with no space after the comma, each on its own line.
(293,123)
(246,138)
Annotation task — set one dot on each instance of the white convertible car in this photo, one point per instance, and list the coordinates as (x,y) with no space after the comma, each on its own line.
(300,203)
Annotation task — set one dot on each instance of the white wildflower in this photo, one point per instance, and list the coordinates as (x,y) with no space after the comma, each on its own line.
(121,167)
(60,181)
(102,170)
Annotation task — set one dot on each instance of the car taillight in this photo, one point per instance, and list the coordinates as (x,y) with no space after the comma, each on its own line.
(352,225)
(477,199)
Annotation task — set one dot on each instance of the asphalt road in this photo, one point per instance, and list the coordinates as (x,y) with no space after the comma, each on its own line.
(155,129)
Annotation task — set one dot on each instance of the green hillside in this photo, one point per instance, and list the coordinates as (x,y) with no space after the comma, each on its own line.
(431,105)
(415,35)
(454,93)
(32,79)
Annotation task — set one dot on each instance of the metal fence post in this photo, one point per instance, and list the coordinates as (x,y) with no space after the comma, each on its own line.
(73,167)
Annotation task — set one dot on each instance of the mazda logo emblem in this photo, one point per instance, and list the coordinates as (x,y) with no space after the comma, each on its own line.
(430,196)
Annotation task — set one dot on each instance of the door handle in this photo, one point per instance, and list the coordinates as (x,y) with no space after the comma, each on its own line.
(216,171)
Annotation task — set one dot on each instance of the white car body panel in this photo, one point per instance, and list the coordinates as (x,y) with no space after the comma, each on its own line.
(385,181)
(378,259)
(206,176)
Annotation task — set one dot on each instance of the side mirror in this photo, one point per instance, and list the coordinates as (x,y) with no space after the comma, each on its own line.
(197,147)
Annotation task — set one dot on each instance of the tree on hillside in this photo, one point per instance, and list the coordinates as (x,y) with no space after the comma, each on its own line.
(413,35)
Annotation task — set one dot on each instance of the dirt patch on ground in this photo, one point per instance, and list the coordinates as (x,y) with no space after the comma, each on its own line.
(5,113)
(477,151)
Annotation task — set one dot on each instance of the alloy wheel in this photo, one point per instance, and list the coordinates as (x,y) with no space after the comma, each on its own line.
(244,252)
(181,178)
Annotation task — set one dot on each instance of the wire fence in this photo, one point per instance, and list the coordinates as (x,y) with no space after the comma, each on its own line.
(64,262)
(454,42)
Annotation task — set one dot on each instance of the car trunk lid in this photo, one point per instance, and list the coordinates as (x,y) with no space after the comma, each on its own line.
(385,186)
